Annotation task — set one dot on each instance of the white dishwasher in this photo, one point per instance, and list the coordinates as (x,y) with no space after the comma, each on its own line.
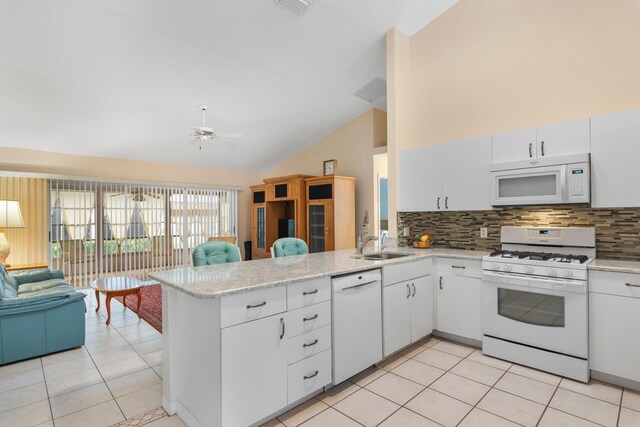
(356,322)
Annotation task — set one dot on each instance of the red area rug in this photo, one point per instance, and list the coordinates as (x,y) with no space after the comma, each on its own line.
(151,307)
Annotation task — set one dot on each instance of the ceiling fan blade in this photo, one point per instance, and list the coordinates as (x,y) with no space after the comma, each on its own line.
(230,135)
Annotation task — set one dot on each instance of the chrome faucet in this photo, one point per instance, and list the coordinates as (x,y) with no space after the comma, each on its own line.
(383,242)
(364,241)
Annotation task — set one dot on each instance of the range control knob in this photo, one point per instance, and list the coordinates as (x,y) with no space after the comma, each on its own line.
(507,267)
(496,266)
(528,269)
(567,272)
(552,271)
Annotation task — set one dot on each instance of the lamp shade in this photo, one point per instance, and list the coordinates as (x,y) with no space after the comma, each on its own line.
(10,215)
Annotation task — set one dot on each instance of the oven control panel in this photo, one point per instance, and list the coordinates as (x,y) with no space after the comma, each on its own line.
(548,233)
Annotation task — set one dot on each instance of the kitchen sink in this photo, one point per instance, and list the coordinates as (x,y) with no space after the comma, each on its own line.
(378,256)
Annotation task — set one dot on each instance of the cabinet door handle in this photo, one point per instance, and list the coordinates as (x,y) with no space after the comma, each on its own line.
(262,304)
(542,148)
(408,291)
(315,291)
(414,290)
(458,266)
(310,344)
(308,319)
(530,150)
(438,202)
(632,285)
(440,282)
(308,377)
(282,328)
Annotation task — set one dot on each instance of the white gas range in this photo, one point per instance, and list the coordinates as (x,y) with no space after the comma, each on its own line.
(535,298)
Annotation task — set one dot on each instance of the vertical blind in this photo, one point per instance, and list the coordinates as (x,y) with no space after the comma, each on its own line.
(110,229)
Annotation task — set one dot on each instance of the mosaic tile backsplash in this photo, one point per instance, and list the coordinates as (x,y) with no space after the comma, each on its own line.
(617,230)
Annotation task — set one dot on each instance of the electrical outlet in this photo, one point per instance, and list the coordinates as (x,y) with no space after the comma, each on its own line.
(406,231)
(484,233)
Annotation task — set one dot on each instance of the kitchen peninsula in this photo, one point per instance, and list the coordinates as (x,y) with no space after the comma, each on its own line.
(246,341)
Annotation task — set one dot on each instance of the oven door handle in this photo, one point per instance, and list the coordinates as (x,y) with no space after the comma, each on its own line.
(523,280)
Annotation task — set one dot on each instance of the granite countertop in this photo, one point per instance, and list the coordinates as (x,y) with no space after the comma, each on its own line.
(215,281)
(613,265)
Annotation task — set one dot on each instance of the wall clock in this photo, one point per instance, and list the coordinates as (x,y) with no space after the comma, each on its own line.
(329,167)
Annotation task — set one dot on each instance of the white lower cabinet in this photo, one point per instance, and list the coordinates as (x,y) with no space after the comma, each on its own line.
(308,375)
(254,369)
(276,360)
(459,306)
(407,313)
(396,317)
(421,307)
(614,322)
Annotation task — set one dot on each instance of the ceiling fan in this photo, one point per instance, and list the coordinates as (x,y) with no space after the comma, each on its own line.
(205,133)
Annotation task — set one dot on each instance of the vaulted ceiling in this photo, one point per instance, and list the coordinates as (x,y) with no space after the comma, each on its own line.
(125,79)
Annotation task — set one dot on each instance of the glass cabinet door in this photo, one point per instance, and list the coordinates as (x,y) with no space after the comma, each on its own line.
(260,227)
(317,239)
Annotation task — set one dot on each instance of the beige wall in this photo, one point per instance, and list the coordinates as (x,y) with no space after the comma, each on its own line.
(488,66)
(353,146)
(69,165)
(496,65)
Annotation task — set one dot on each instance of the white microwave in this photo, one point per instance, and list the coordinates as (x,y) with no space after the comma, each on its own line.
(550,181)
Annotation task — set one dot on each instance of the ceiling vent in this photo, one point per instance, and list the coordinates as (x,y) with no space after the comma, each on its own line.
(298,6)
(375,89)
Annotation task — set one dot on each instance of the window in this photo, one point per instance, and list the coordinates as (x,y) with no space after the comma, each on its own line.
(108,229)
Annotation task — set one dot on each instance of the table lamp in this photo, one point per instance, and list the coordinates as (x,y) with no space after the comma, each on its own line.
(10,217)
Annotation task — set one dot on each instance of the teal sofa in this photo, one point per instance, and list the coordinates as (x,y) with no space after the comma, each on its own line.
(39,314)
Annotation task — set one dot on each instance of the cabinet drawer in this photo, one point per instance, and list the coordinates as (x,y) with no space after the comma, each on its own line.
(244,307)
(308,344)
(306,319)
(460,267)
(309,375)
(405,271)
(309,292)
(622,284)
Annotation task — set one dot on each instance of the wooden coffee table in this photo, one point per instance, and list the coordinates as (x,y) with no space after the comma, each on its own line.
(120,286)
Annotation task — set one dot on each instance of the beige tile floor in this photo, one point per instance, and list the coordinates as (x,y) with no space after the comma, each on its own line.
(439,383)
(115,377)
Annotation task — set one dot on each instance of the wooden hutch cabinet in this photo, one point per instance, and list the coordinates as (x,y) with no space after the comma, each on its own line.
(331,217)
(278,210)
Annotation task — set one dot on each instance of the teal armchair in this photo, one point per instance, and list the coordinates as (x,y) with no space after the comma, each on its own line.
(289,246)
(215,253)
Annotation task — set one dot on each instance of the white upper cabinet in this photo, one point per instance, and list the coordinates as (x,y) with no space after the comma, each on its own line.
(557,139)
(466,181)
(452,176)
(615,149)
(561,139)
(514,146)
(420,179)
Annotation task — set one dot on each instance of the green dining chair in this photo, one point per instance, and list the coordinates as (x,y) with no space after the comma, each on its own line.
(288,246)
(215,253)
